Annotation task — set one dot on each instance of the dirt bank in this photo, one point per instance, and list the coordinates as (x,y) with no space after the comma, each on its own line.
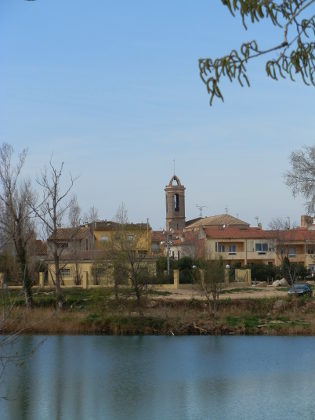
(264,311)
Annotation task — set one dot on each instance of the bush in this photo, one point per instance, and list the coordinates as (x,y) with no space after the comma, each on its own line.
(185,263)
(292,271)
(263,272)
(186,276)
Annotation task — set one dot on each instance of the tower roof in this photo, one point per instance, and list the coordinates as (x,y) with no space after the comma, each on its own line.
(174,178)
(177,186)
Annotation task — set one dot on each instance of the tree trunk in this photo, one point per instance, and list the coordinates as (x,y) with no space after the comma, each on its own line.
(59,299)
(116,289)
(26,279)
(117,274)
(139,301)
(215,297)
(27,287)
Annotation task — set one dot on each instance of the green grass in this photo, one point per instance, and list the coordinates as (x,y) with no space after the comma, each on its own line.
(253,324)
(158,292)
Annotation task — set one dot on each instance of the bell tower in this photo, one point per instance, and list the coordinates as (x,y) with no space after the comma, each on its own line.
(175,204)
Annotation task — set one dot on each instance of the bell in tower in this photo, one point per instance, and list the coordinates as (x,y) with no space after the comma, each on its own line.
(175,204)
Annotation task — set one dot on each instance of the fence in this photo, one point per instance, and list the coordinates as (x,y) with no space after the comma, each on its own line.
(242,279)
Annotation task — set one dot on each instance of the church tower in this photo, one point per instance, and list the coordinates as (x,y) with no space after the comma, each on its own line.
(175,204)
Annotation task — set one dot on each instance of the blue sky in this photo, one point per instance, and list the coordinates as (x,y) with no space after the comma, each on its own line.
(113,90)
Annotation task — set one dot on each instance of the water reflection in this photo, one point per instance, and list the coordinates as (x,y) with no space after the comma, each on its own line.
(92,377)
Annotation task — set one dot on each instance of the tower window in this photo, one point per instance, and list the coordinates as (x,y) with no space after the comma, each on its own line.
(176,202)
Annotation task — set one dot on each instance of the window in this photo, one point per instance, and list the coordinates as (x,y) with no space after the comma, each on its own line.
(87,244)
(310,249)
(292,251)
(232,249)
(104,238)
(176,202)
(261,248)
(65,272)
(129,237)
(221,248)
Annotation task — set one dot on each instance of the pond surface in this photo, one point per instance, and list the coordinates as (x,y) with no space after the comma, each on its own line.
(101,377)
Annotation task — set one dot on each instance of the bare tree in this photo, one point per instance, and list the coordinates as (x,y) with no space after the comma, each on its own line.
(16,225)
(211,281)
(281,224)
(125,254)
(74,215)
(51,210)
(283,236)
(301,177)
(92,215)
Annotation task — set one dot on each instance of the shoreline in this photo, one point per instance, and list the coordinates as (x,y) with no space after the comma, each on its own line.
(164,316)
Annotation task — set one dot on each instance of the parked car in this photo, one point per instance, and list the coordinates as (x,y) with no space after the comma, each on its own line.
(300,290)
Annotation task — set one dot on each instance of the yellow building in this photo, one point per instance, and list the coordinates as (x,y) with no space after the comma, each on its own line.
(85,254)
(137,236)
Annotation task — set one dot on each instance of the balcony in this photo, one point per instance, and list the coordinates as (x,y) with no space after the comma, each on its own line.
(250,255)
(231,255)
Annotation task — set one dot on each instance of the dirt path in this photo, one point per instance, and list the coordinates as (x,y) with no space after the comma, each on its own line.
(251,293)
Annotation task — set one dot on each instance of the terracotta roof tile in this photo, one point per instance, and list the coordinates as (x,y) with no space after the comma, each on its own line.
(110,225)
(237,233)
(69,234)
(297,234)
(157,236)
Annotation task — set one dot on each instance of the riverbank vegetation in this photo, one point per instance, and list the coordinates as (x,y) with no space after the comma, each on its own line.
(97,311)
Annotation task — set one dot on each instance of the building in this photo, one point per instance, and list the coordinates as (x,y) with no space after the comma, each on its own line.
(231,239)
(175,205)
(85,252)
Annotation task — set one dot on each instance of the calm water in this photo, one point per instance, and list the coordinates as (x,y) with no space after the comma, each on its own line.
(88,377)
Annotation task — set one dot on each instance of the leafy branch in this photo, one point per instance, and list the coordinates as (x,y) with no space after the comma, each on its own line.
(296,49)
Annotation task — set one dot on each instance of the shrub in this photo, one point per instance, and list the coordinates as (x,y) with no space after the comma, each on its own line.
(263,272)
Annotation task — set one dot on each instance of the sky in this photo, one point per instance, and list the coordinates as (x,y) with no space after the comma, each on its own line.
(112,89)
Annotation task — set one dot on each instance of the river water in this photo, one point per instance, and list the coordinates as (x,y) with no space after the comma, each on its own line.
(189,377)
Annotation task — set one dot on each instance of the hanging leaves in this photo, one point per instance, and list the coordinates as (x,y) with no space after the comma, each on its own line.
(297,49)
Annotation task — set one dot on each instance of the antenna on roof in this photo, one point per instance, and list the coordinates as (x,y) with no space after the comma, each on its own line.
(257,219)
(226,210)
(200,209)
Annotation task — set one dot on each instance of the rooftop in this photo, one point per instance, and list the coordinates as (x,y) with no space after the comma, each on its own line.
(218,220)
